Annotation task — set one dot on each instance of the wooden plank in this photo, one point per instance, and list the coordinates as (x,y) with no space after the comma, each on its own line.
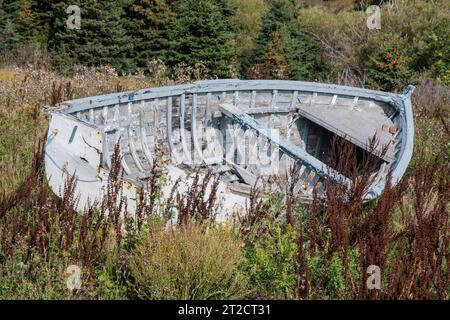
(273,102)
(294,99)
(143,136)
(197,153)
(133,150)
(357,127)
(169,124)
(284,145)
(187,154)
(312,184)
(253,100)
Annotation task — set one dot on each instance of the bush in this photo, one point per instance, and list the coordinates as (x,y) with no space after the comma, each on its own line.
(270,264)
(418,28)
(187,263)
(441,68)
(388,70)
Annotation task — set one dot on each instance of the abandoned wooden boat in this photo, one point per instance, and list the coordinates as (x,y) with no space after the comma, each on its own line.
(240,129)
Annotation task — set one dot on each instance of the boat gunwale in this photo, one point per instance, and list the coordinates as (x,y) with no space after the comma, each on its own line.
(207,86)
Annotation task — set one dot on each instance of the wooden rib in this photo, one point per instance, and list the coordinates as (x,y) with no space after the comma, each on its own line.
(253,100)
(187,153)
(236,129)
(355,102)
(124,164)
(155,118)
(206,116)
(294,99)
(169,124)
(106,158)
(312,184)
(273,103)
(105,115)
(116,118)
(305,173)
(105,151)
(313,98)
(308,179)
(91,115)
(223,125)
(246,143)
(197,152)
(334,99)
(320,187)
(129,111)
(236,98)
(133,151)
(143,135)
(290,121)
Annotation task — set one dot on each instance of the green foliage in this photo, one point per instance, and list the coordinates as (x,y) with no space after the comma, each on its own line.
(277,16)
(388,70)
(248,17)
(17,23)
(328,275)
(282,49)
(417,29)
(283,39)
(147,24)
(441,68)
(202,33)
(270,264)
(101,40)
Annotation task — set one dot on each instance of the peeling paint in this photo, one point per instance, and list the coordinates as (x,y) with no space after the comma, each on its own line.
(177,118)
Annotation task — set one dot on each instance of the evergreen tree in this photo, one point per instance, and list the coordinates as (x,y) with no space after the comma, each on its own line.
(274,21)
(45,14)
(16,23)
(303,55)
(148,29)
(201,32)
(276,64)
(101,40)
(280,32)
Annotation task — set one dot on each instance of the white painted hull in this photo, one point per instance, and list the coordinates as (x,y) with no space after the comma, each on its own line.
(215,124)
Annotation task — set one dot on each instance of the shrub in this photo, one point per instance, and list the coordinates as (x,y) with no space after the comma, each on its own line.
(418,28)
(187,263)
(270,264)
(441,68)
(388,70)
(329,280)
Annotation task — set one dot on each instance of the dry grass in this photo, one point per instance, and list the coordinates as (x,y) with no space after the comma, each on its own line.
(187,263)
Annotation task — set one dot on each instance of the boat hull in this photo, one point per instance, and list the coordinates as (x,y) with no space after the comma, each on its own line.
(240,129)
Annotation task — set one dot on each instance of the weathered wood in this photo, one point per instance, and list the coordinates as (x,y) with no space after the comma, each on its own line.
(139,119)
(284,145)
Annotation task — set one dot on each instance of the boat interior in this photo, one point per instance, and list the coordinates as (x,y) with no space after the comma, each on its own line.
(246,134)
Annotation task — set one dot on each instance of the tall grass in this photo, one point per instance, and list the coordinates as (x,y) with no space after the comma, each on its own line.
(188,263)
(280,248)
